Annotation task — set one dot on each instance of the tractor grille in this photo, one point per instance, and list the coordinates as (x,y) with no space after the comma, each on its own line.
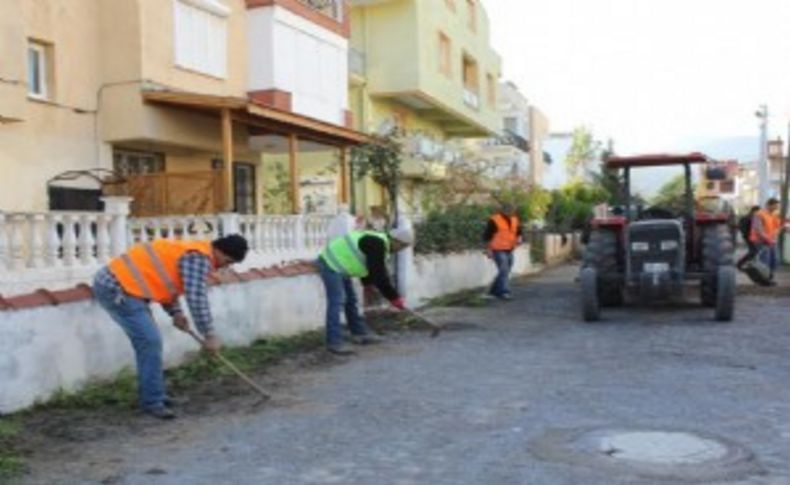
(653,245)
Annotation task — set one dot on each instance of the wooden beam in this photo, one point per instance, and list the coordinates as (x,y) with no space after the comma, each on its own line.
(343,195)
(227,159)
(293,147)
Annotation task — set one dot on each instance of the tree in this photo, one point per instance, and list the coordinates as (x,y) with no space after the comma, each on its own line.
(672,195)
(381,159)
(583,152)
(609,179)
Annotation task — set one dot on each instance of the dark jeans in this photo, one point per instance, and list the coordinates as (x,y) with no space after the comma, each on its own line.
(134,317)
(768,254)
(750,255)
(504,263)
(339,294)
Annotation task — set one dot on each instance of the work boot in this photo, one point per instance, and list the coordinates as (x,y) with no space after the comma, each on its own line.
(366,339)
(340,349)
(162,413)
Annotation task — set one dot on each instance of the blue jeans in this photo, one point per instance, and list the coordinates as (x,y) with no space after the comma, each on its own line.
(768,255)
(134,317)
(339,294)
(504,262)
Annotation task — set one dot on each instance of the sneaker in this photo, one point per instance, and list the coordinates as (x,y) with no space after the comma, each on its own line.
(175,401)
(366,339)
(162,413)
(340,349)
(505,296)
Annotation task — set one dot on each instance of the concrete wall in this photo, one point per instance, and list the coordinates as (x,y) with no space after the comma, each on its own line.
(48,348)
(64,347)
(436,275)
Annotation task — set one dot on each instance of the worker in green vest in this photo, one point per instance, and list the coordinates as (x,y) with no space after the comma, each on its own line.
(357,254)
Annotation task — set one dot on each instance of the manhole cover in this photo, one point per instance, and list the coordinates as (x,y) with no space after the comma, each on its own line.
(664,454)
(662,448)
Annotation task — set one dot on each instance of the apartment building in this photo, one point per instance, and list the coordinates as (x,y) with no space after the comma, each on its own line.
(426,68)
(189,106)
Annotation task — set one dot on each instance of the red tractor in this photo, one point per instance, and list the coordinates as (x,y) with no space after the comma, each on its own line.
(652,254)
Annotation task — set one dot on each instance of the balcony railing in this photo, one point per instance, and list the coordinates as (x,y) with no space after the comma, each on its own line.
(509,139)
(357,62)
(331,8)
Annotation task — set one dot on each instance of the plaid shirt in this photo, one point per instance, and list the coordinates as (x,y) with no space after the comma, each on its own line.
(194,269)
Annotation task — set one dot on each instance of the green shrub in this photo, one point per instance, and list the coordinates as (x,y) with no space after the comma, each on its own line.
(456,228)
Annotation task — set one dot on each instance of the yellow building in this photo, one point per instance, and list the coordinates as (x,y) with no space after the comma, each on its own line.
(185,100)
(427,68)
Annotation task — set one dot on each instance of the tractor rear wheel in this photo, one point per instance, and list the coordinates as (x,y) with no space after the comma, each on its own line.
(725,294)
(717,252)
(601,254)
(591,306)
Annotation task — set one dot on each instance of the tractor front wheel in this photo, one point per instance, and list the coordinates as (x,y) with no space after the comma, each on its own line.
(717,252)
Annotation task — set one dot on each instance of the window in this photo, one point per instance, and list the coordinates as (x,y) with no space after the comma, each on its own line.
(37,70)
(491,90)
(244,188)
(511,124)
(201,36)
(445,66)
(471,82)
(472,12)
(132,162)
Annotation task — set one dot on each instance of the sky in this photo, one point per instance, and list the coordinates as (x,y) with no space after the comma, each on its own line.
(654,75)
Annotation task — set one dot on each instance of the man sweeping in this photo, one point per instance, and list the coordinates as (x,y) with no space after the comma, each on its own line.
(160,272)
(357,254)
(503,233)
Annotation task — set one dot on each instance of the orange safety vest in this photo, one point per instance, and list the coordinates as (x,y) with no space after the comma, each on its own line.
(506,235)
(150,270)
(771,227)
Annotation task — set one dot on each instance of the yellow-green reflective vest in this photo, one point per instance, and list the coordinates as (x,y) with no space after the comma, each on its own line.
(343,255)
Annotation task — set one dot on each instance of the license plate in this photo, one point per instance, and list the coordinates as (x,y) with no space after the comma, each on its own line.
(656,267)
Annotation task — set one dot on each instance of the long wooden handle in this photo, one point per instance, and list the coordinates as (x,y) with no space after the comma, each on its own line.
(435,327)
(230,365)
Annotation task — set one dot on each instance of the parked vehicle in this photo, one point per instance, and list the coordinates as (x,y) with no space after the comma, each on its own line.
(653,254)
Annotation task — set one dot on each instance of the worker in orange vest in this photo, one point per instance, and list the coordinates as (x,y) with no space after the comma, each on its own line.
(766,226)
(161,271)
(502,235)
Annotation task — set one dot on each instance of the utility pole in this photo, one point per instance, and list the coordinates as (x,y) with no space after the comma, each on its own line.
(784,199)
(762,163)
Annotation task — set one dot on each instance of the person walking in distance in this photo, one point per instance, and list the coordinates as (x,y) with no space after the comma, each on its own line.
(161,271)
(766,225)
(357,254)
(745,228)
(502,234)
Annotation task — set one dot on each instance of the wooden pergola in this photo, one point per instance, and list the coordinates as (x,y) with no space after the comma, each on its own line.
(265,119)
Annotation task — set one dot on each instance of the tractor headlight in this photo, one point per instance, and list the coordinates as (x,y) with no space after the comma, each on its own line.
(669,245)
(640,246)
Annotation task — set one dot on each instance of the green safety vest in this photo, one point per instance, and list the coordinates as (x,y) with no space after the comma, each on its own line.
(343,255)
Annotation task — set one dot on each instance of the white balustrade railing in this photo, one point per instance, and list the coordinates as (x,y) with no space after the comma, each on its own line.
(54,239)
(57,250)
(278,239)
(187,228)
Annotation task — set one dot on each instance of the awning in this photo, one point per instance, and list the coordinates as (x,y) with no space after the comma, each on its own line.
(266,118)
